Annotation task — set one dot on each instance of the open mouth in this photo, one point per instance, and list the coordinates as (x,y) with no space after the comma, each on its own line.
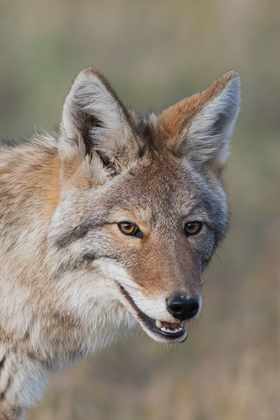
(167,329)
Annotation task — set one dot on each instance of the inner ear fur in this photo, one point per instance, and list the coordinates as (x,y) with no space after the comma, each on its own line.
(94,120)
(199,127)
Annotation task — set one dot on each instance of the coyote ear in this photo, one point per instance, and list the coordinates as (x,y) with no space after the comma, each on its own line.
(94,119)
(199,127)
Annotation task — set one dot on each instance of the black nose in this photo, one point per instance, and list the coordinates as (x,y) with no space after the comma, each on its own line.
(183,307)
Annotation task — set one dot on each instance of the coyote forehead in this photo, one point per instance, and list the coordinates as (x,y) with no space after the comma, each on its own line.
(107,226)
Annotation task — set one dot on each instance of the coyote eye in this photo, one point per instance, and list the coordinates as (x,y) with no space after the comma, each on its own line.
(192,228)
(130,229)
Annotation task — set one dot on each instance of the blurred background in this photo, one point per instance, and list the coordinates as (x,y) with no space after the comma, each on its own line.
(155,53)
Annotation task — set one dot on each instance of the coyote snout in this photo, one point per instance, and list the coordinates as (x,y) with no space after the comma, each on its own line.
(108,225)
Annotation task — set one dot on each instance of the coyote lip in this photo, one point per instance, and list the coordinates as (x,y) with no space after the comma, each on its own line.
(167,329)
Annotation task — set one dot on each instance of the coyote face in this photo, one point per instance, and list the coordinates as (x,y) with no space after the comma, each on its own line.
(111,223)
(157,210)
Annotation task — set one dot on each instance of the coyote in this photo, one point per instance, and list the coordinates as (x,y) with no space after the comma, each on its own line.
(105,226)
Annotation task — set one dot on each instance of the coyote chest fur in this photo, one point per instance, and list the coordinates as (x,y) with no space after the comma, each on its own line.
(107,226)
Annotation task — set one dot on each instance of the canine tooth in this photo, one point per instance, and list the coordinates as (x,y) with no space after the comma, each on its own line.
(163,329)
(158,323)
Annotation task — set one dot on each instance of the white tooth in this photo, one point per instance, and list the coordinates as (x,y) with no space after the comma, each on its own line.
(158,323)
(180,329)
(163,329)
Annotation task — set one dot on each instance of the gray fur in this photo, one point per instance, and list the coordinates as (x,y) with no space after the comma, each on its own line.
(65,267)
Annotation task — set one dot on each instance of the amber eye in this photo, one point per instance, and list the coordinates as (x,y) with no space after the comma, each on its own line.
(192,228)
(129,228)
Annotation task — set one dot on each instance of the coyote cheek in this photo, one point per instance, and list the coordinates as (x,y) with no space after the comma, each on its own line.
(66,287)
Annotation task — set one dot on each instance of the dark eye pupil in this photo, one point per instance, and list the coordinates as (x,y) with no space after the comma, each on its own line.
(127,226)
(192,226)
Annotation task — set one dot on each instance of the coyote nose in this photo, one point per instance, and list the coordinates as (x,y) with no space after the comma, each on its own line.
(183,307)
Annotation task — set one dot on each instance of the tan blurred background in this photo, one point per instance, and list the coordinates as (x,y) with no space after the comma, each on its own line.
(155,53)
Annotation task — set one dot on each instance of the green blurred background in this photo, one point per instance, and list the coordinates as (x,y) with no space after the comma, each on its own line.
(155,53)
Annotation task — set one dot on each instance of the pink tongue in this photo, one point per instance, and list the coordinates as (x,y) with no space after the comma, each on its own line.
(170,325)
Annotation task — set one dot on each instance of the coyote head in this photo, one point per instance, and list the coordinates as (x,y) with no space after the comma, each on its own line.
(142,207)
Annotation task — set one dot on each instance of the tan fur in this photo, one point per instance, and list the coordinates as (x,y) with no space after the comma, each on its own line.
(70,281)
(176,117)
